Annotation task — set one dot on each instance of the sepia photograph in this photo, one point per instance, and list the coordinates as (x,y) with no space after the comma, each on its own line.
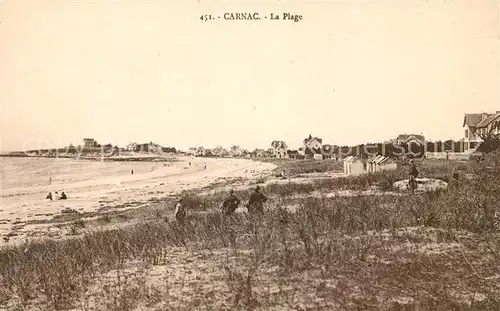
(249,155)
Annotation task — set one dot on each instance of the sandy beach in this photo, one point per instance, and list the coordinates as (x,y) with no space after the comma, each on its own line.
(94,185)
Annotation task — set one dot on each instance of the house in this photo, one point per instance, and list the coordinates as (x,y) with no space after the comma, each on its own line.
(279,149)
(353,166)
(294,155)
(201,152)
(406,139)
(259,153)
(302,152)
(312,146)
(491,124)
(245,153)
(107,147)
(89,143)
(153,148)
(131,146)
(328,151)
(197,151)
(380,163)
(475,125)
(149,147)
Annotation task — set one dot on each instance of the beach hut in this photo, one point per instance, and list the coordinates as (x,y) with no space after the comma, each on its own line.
(345,161)
(370,164)
(385,164)
(353,166)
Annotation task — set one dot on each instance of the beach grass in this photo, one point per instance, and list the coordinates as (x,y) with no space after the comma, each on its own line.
(435,251)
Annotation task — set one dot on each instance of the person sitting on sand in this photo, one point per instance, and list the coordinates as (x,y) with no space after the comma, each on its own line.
(180,212)
(56,196)
(49,196)
(283,174)
(413,173)
(256,202)
(63,196)
(230,204)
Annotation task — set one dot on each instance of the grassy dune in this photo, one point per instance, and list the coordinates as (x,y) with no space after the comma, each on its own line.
(435,251)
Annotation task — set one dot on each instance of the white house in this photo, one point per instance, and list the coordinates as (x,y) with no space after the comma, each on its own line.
(279,149)
(476,124)
(89,143)
(353,166)
(201,152)
(131,147)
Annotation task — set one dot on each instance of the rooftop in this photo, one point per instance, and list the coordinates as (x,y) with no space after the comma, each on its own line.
(488,120)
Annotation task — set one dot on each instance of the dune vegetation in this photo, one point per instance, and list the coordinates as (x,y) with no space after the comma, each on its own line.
(438,250)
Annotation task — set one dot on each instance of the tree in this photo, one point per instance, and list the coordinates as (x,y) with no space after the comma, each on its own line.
(491,139)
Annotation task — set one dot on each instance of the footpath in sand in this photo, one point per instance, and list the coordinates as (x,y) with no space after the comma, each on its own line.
(123,190)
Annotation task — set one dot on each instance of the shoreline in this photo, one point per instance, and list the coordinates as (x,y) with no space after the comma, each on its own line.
(133,158)
(145,158)
(112,188)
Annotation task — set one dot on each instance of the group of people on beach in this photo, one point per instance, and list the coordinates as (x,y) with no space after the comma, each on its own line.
(255,205)
(56,196)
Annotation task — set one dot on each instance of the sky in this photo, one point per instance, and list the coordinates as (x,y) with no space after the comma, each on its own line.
(350,72)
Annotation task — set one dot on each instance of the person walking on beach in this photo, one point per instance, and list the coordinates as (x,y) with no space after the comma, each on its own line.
(180,212)
(230,204)
(413,173)
(256,202)
(50,180)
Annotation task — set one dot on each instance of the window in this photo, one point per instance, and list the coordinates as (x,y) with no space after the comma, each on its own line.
(466,133)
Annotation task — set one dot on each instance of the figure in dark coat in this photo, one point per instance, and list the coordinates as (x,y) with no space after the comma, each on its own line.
(413,173)
(256,202)
(230,204)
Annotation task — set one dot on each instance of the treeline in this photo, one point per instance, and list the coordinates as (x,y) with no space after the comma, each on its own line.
(393,150)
